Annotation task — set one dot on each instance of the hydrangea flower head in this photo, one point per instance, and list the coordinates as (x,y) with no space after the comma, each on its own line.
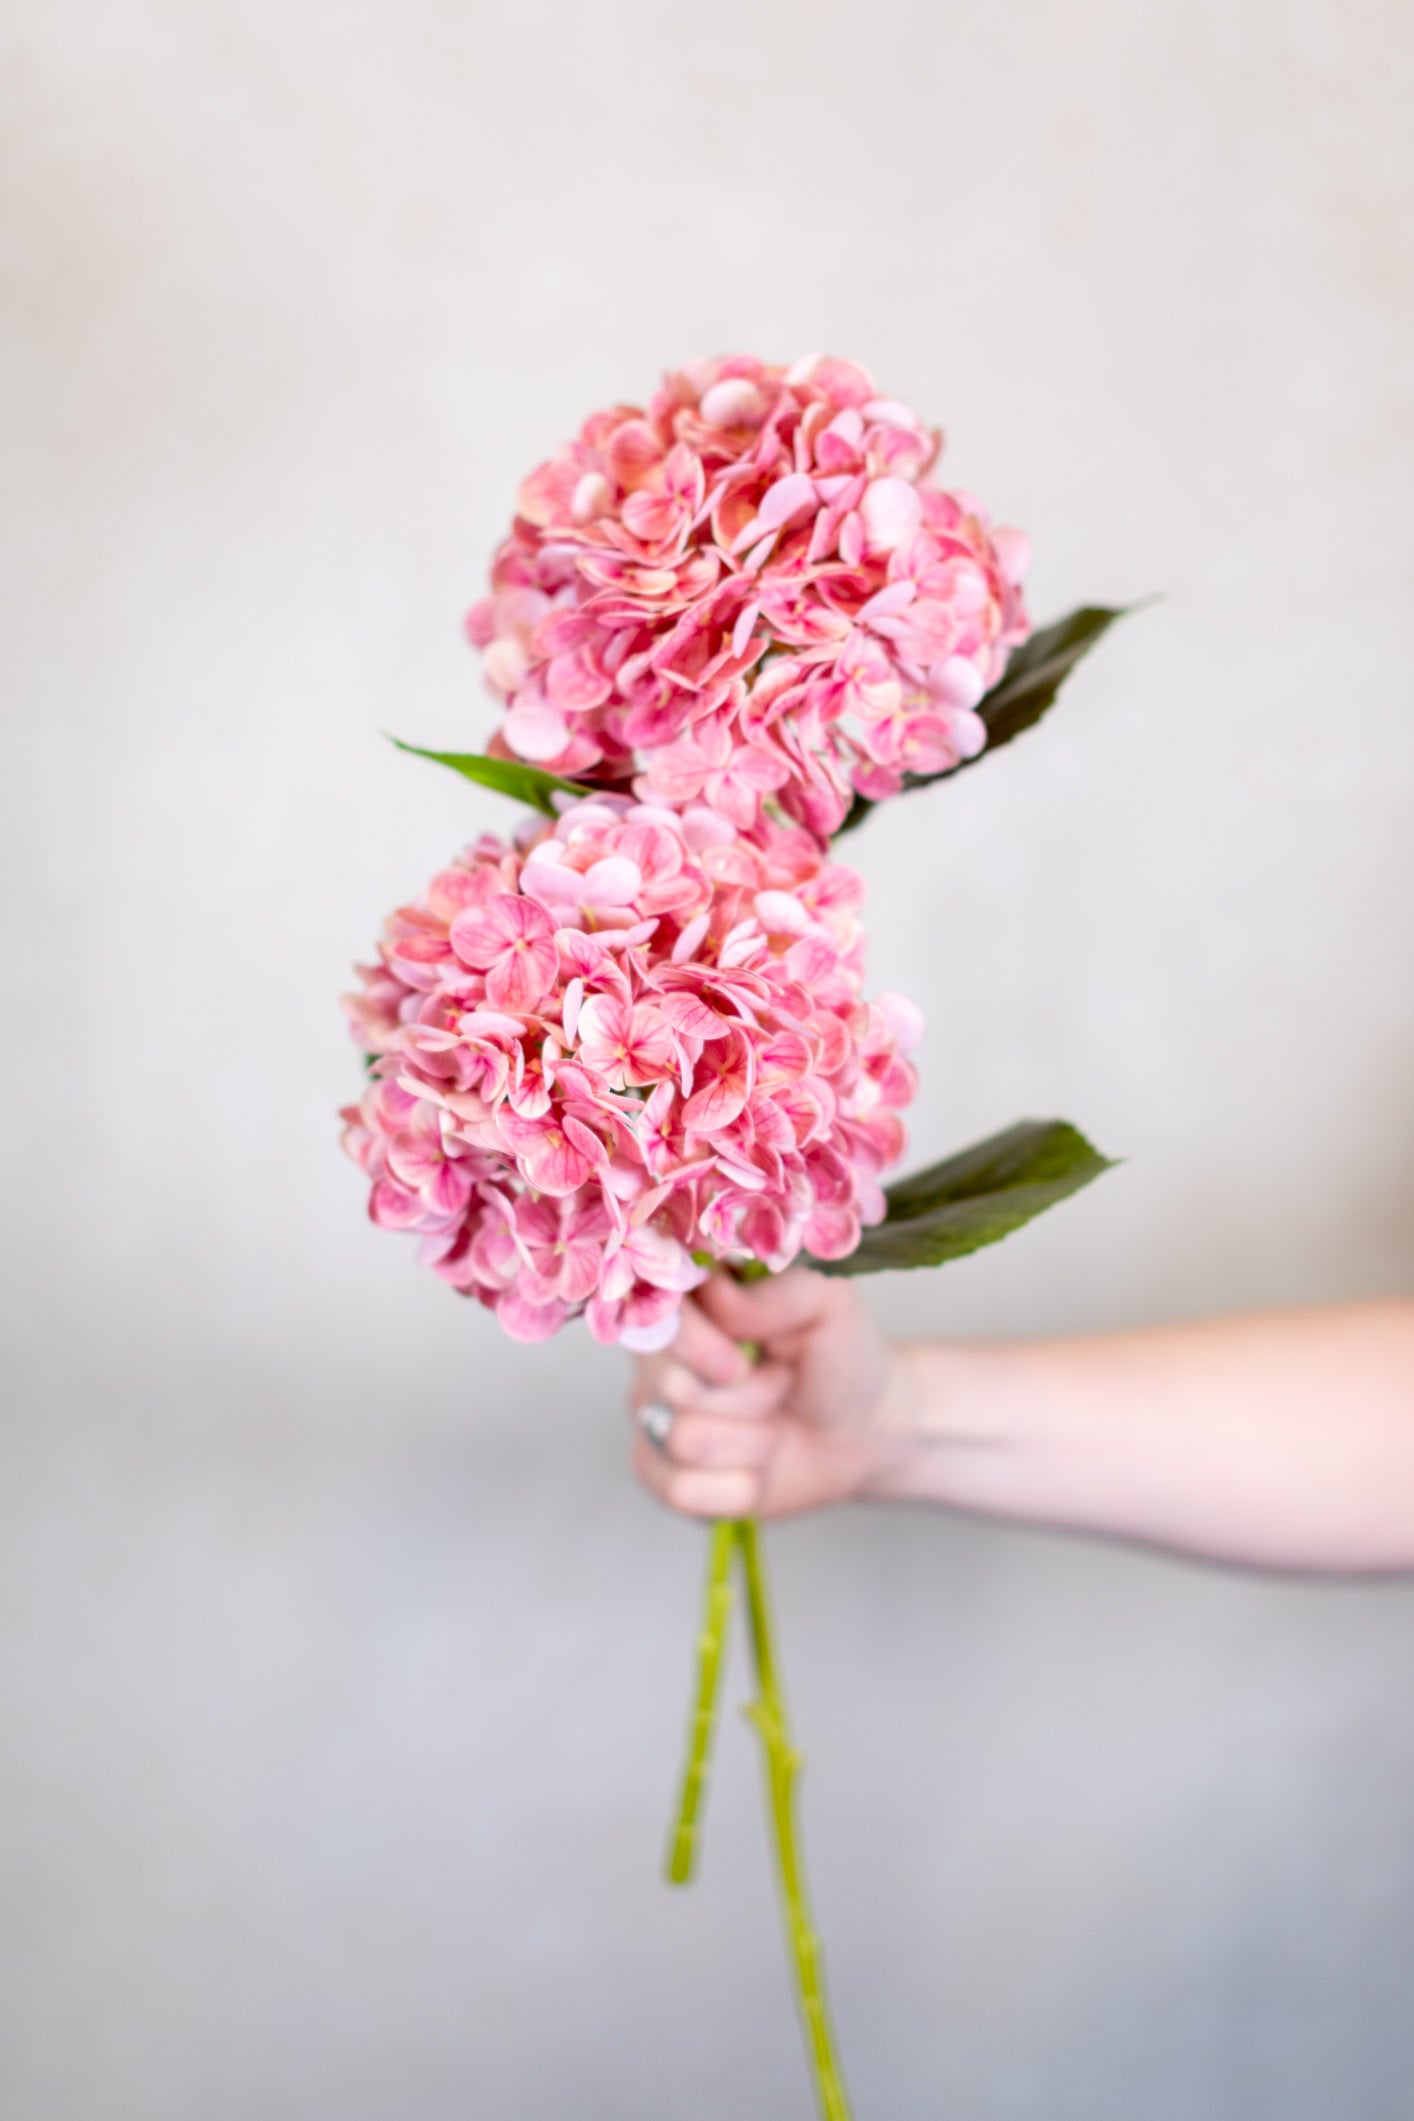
(750,591)
(625,1048)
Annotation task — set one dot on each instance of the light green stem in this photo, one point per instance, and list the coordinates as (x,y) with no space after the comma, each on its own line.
(682,1849)
(783,1764)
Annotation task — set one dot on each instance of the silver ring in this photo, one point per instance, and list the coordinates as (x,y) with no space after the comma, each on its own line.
(657,1423)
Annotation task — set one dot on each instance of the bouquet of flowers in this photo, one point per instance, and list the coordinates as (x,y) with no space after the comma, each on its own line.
(630,1045)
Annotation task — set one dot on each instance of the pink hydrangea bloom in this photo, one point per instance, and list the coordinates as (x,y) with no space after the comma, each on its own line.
(751,590)
(630,1043)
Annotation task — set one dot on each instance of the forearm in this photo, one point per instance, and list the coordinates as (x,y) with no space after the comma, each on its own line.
(1282,1440)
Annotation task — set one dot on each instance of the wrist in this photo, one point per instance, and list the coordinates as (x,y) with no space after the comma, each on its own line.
(896,1436)
(950,1425)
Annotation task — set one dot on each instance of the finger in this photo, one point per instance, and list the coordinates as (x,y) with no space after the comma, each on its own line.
(701,1345)
(770,1309)
(665,1378)
(701,1440)
(762,1392)
(695,1491)
(647,1384)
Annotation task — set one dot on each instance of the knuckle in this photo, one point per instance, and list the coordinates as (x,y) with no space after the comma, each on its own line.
(698,1493)
(721,1445)
(685,1492)
(711,1354)
(774,1385)
(678,1385)
(767,1440)
(687,1443)
(744,1489)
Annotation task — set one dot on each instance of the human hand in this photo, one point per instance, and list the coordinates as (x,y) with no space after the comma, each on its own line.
(809,1424)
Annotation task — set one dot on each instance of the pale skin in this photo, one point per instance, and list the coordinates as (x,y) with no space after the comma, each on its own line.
(1280,1440)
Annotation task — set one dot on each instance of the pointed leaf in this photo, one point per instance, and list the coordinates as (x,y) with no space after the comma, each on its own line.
(974,1198)
(524,784)
(1033,676)
(1037,669)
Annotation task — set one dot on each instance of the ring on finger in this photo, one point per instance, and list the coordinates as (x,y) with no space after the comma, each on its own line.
(657,1423)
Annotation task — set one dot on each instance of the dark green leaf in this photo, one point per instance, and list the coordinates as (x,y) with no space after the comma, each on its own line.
(1037,669)
(974,1198)
(1032,678)
(524,784)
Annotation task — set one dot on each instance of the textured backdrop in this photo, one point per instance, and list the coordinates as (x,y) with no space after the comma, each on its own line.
(342,1671)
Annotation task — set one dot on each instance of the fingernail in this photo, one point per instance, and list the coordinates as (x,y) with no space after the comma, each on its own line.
(678,1384)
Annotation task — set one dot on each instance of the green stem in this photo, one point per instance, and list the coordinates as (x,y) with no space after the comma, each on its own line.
(682,1849)
(783,1764)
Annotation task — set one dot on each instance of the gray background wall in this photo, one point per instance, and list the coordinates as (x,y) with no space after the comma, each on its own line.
(343,1671)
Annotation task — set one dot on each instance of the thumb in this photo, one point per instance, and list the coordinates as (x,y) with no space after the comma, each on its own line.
(774,1308)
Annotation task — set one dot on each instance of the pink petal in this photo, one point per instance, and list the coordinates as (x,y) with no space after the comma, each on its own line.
(506,664)
(614,881)
(1013,552)
(535,730)
(957,682)
(969,734)
(715,1105)
(650,1338)
(789,497)
(481,623)
(450,1189)
(848,425)
(579,1270)
(633,450)
(811,961)
(554,1164)
(393,1207)
(741,632)
(904,1019)
(833,1231)
(621,939)
(523,975)
(591,497)
(734,402)
(527,1321)
(580,952)
(894,597)
(572,682)
(892,511)
(691,936)
(650,516)
(571,1006)
(781,913)
(703,828)
(661,1261)
(690,1016)
(487,1024)
(603,1317)
(603,1027)
(892,412)
(481,935)
(759,554)
(552,883)
(651,1046)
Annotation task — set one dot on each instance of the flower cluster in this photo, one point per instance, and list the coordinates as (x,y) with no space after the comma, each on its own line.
(749,591)
(629,1046)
